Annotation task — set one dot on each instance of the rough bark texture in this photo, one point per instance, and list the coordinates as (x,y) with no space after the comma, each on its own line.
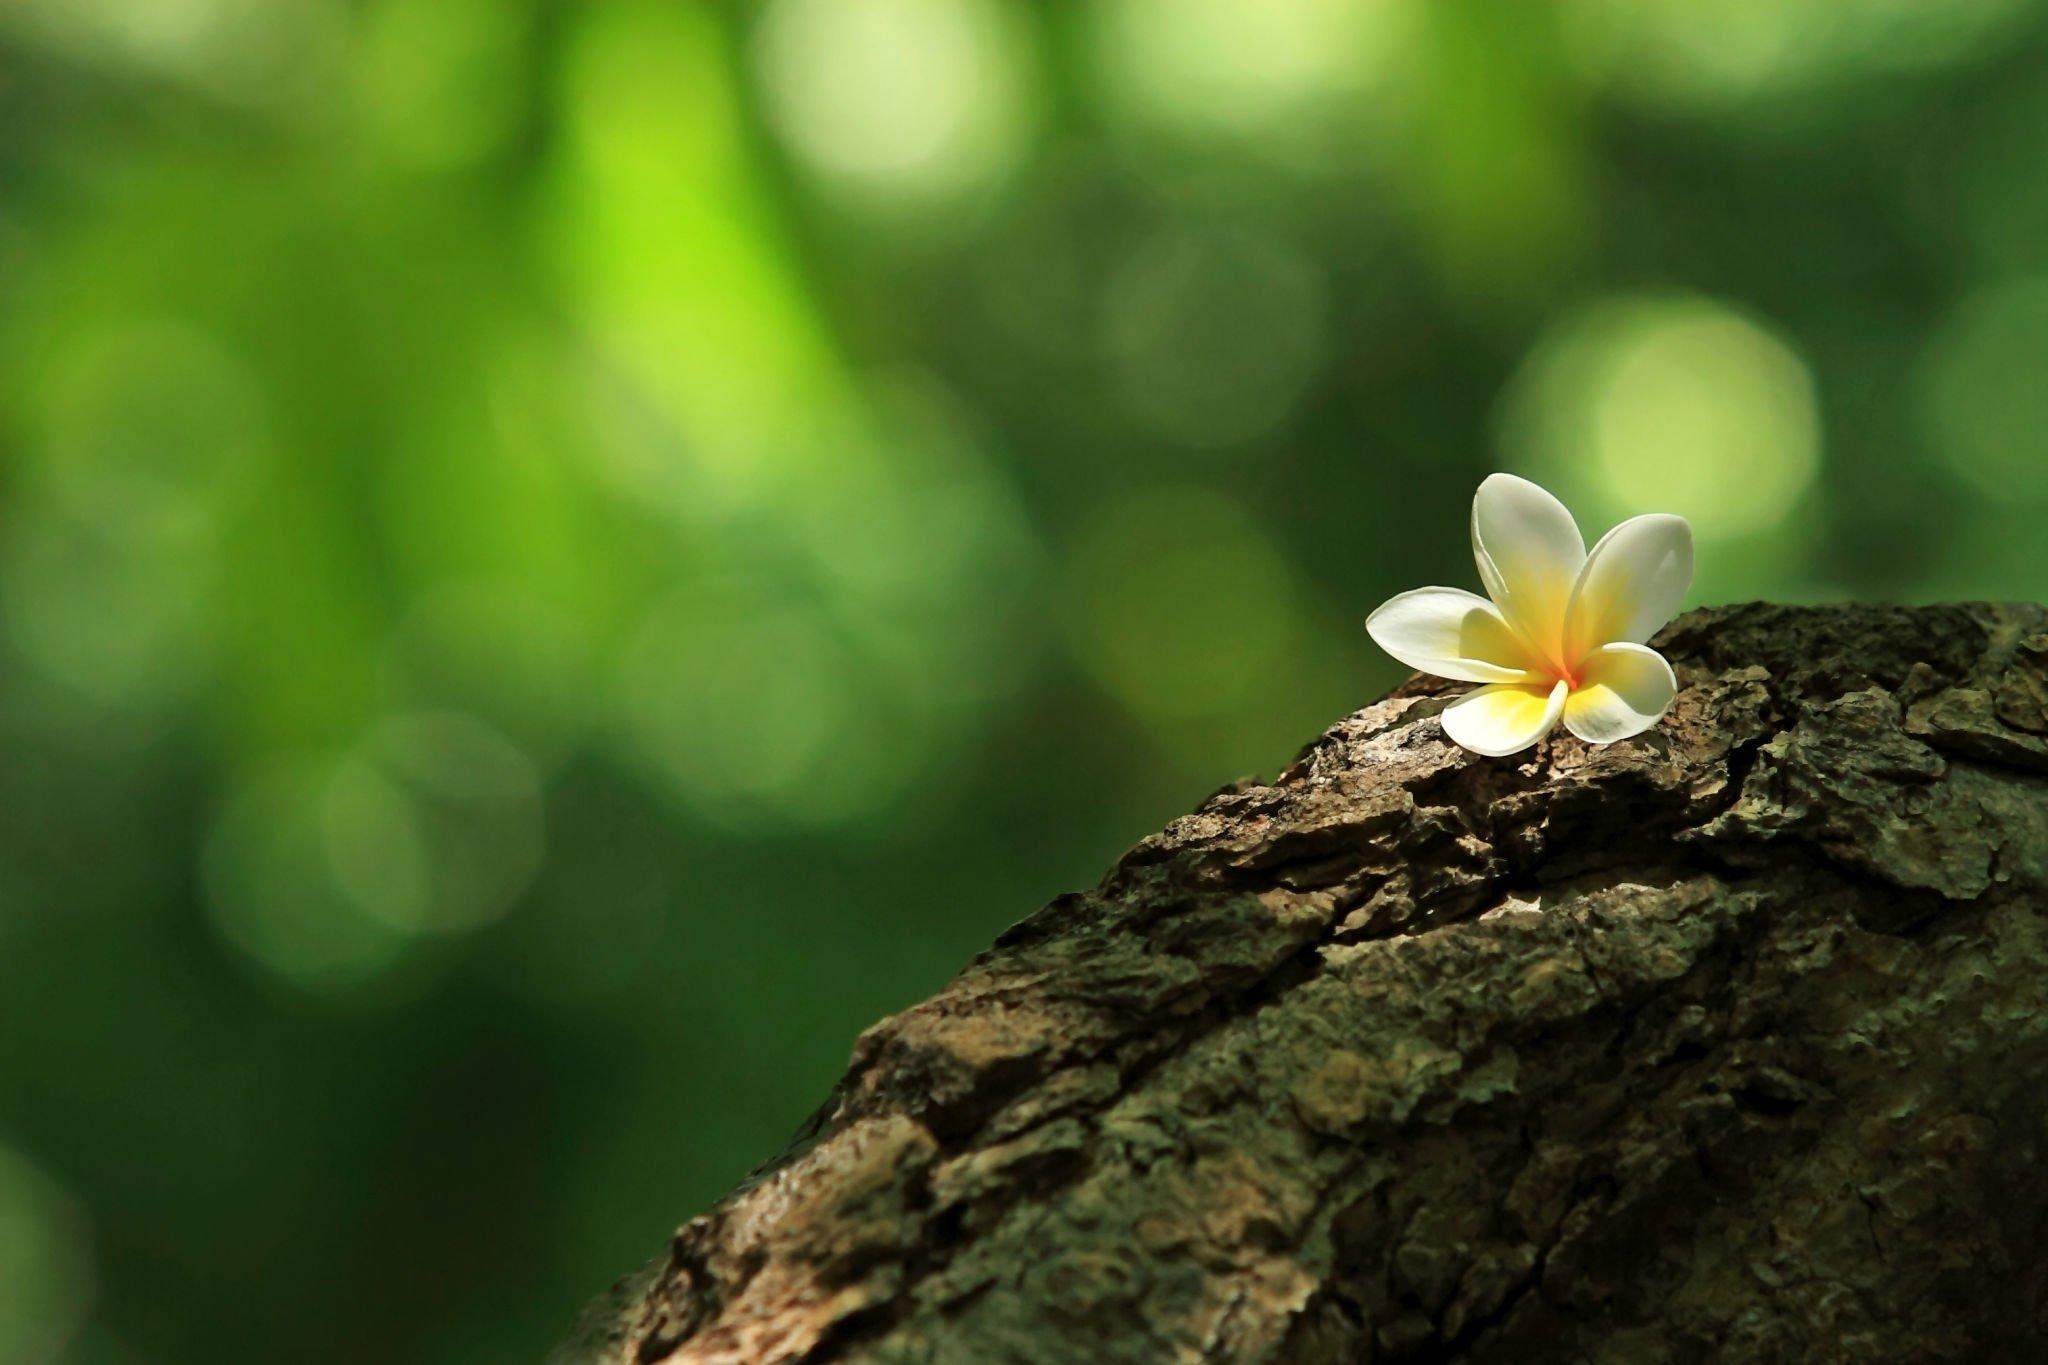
(1725,1043)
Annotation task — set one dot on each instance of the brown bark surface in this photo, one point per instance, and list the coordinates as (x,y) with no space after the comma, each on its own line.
(1729,1042)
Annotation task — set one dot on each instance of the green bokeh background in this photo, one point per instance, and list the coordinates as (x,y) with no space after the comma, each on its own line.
(557,560)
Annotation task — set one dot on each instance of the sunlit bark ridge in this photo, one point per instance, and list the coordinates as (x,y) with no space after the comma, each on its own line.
(1729,1041)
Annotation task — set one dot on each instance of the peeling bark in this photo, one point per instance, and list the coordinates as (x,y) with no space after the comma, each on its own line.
(1727,1042)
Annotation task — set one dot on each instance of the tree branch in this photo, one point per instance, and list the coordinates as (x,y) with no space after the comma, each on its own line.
(1724,1042)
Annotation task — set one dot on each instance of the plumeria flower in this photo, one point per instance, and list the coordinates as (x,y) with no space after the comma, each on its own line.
(1563,637)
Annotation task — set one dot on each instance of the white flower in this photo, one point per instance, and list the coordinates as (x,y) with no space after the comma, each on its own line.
(1563,636)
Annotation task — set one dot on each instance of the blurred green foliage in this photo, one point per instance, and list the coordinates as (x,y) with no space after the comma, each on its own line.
(556,560)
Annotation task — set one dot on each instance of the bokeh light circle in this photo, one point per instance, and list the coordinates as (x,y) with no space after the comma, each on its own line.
(324,869)
(756,709)
(1674,403)
(270,889)
(439,84)
(247,51)
(1179,603)
(1209,66)
(1983,406)
(911,98)
(116,621)
(46,1264)
(1680,54)
(150,427)
(1212,337)
(434,825)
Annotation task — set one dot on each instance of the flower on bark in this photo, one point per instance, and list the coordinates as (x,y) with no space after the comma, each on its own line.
(1563,637)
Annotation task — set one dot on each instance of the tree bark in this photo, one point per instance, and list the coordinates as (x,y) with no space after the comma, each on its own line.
(1728,1042)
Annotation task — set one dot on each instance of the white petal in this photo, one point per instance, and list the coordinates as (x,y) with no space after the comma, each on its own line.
(1505,718)
(1530,553)
(1632,583)
(1451,633)
(1623,690)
